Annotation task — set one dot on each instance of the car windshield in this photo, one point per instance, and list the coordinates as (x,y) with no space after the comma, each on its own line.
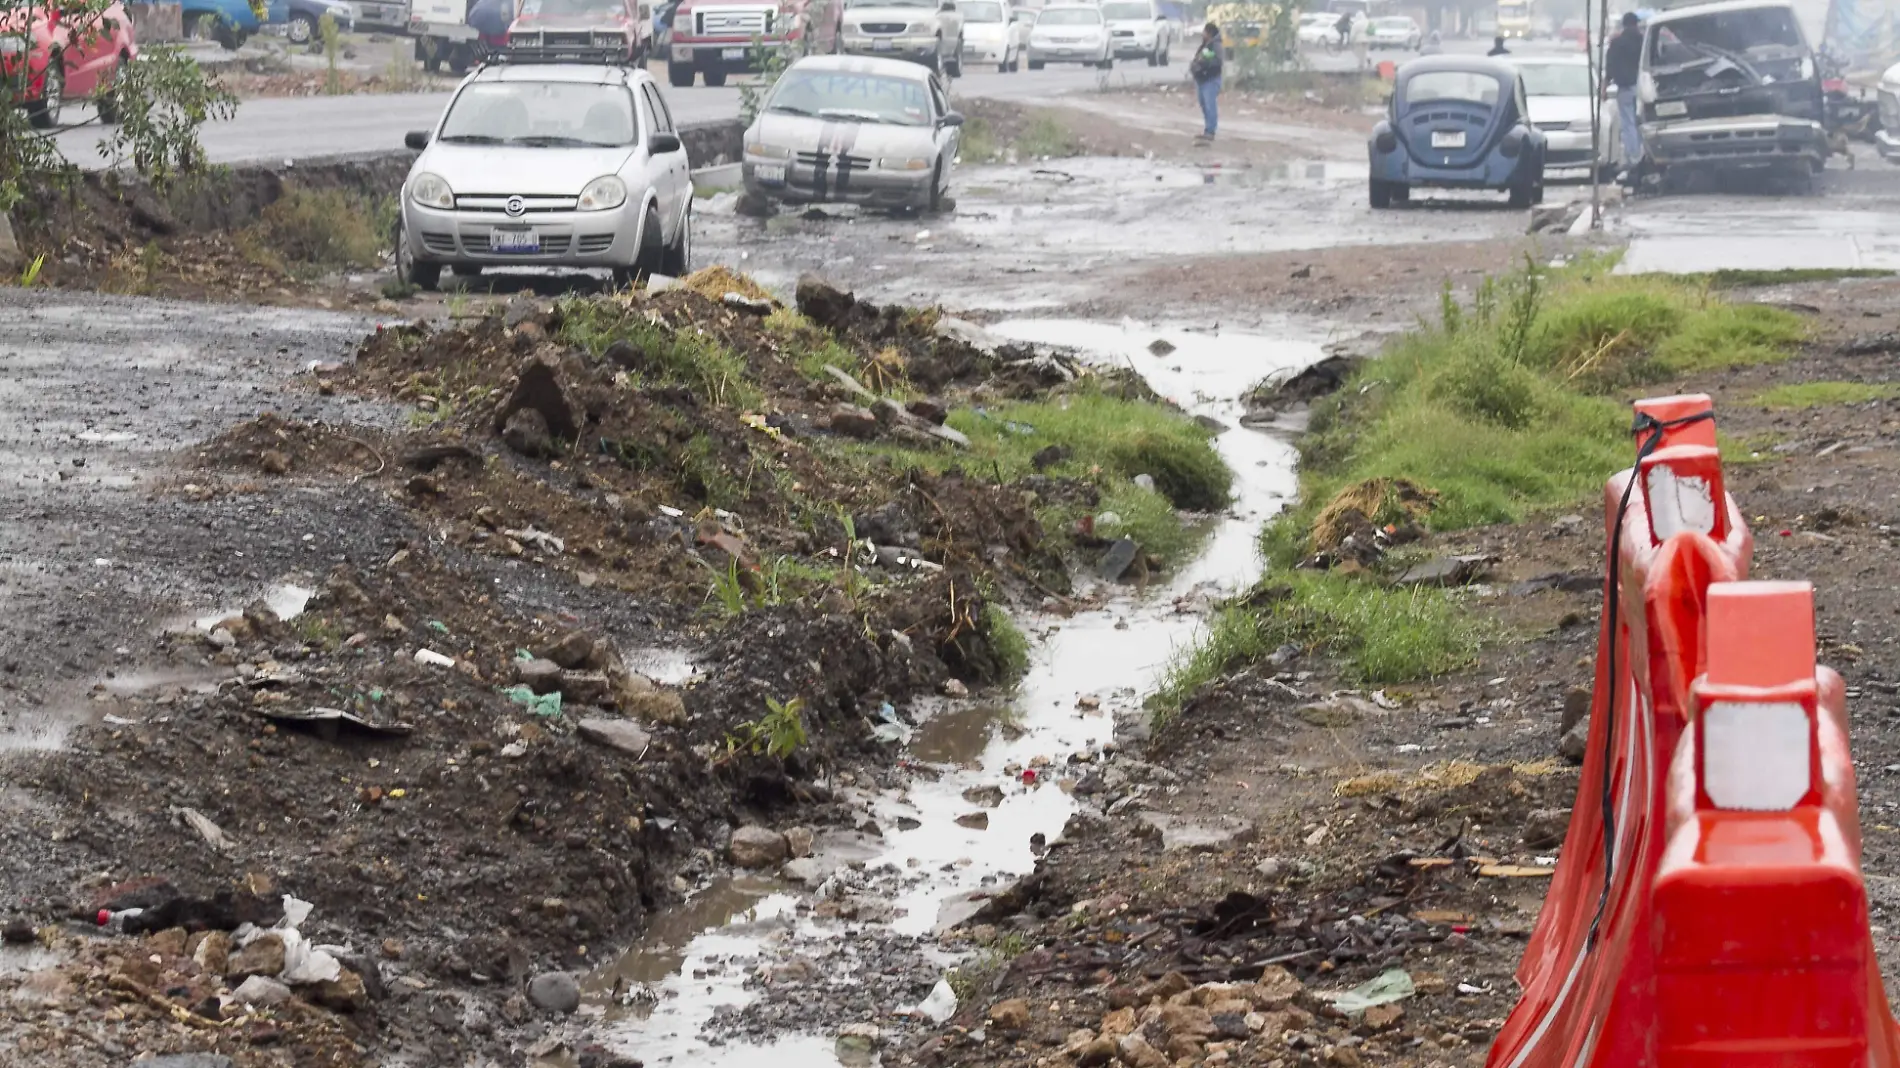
(1555,79)
(563,8)
(1761,32)
(1125,12)
(543,114)
(981,11)
(863,97)
(1070,16)
(1466,85)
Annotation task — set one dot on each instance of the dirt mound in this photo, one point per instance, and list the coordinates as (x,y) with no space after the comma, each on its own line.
(272,445)
(715,282)
(1364,517)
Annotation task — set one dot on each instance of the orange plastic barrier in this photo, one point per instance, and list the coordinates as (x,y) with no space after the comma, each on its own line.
(1708,907)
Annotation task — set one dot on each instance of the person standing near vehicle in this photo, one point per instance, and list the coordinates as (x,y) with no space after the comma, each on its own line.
(1433,45)
(1344,27)
(1622,66)
(1205,69)
(1497,47)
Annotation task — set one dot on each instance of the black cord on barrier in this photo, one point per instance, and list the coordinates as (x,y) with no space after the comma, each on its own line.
(1652,430)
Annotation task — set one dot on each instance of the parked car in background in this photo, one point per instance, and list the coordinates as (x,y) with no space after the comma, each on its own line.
(1543,26)
(1731,85)
(710,39)
(1557,91)
(862,130)
(1243,24)
(994,32)
(1573,32)
(1393,31)
(301,18)
(1070,33)
(1887,139)
(923,31)
(1316,28)
(552,25)
(46,62)
(228,22)
(1139,29)
(1456,122)
(392,15)
(567,164)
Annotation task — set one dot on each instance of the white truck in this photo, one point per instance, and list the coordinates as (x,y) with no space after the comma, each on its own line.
(443,36)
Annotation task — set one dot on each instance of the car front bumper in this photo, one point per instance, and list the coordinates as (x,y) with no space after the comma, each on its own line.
(1134,46)
(1757,141)
(1495,171)
(984,51)
(736,57)
(797,181)
(900,47)
(1566,150)
(1889,145)
(564,238)
(1065,53)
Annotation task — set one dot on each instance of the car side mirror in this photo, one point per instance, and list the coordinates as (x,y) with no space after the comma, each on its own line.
(664,143)
(953,118)
(416,139)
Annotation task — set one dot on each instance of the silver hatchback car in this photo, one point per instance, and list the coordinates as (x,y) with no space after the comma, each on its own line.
(548,163)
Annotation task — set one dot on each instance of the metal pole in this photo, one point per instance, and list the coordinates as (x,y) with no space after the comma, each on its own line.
(1597,86)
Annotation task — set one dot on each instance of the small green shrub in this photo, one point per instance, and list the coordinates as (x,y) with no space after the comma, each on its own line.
(322,228)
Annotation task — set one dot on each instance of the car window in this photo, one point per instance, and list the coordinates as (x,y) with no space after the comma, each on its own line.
(1070,16)
(841,94)
(1125,12)
(1756,32)
(1555,79)
(545,114)
(981,11)
(662,115)
(1464,85)
(940,104)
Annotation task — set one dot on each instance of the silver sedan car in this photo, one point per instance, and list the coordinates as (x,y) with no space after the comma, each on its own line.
(877,132)
(548,164)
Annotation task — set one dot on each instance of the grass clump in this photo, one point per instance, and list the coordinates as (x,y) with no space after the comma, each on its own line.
(1045,135)
(1750,277)
(1801,395)
(664,356)
(327,229)
(977,142)
(1007,643)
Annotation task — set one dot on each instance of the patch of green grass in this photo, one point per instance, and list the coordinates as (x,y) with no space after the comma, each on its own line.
(1747,277)
(977,143)
(1007,642)
(1235,636)
(682,357)
(807,345)
(1045,135)
(327,229)
(1801,395)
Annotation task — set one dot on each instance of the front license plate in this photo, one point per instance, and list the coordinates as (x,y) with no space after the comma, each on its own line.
(514,241)
(732,53)
(1448,139)
(1671,108)
(880,46)
(773,173)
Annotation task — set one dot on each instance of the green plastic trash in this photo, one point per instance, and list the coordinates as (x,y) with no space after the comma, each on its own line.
(542,704)
(1390,986)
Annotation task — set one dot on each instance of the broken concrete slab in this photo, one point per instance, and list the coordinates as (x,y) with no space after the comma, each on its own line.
(615,734)
(1181,835)
(1447,571)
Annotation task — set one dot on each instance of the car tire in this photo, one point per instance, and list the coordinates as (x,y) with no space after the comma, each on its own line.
(934,203)
(715,78)
(411,271)
(1035,64)
(652,255)
(679,75)
(228,36)
(301,29)
(106,100)
(430,54)
(44,113)
(1521,195)
(1003,67)
(678,259)
(1378,194)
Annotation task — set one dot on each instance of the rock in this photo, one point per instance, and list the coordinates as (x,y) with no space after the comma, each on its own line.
(1120,1022)
(575,650)
(219,638)
(18,933)
(49,988)
(1190,1020)
(1186,1048)
(853,420)
(1545,828)
(273,462)
(346,993)
(844,379)
(168,943)
(798,841)
(929,409)
(662,707)
(757,847)
(555,992)
(1166,987)
(1575,742)
(586,687)
(891,413)
(954,688)
(1179,835)
(1231,1025)
(1576,708)
(1275,989)
(526,432)
(1011,1014)
(262,957)
(823,303)
(950,434)
(213,953)
(540,675)
(187,1060)
(1309,384)
(1381,1018)
(1100,1051)
(615,734)
(750,305)
(261,990)
(392,948)
(1137,1053)
(1565,525)
(1116,560)
(979,821)
(1048,456)
(538,388)
(1447,571)
(1160,346)
(1341,1057)
(1337,712)
(987,796)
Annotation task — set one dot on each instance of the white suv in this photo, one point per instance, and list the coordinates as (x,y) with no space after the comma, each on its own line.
(568,164)
(1139,28)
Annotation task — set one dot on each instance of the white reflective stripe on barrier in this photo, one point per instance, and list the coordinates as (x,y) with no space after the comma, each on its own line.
(1756,757)
(1678,502)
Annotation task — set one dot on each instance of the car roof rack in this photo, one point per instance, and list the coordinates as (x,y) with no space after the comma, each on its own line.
(582,55)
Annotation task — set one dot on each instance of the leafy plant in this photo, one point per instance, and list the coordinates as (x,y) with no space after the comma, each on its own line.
(777,734)
(332,45)
(163,99)
(726,590)
(31,273)
(771,60)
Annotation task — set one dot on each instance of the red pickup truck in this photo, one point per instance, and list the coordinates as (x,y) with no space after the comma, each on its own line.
(713,38)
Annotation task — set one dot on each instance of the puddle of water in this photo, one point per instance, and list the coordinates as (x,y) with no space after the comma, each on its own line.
(937,864)
(668,667)
(285,599)
(190,679)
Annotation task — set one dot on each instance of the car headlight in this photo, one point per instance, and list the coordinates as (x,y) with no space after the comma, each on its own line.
(524,40)
(602,193)
(767,151)
(850,27)
(898,163)
(431,191)
(918,27)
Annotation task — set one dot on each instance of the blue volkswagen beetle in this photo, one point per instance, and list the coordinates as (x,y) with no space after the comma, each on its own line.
(1456,122)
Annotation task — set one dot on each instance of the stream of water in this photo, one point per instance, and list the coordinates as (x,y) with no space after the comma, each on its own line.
(927,866)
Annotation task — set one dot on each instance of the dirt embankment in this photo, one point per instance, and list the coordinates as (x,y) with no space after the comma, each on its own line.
(668,574)
(1292,834)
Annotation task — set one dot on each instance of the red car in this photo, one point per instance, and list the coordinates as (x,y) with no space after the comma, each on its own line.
(48,56)
(1572,31)
(587,24)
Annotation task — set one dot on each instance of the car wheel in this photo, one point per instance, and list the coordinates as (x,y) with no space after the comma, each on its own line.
(411,271)
(715,78)
(652,254)
(1401,193)
(44,112)
(1035,64)
(461,58)
(301,30)
(678,260)
(430,55)
(679,75)
(228,36)
(1378,194)
(935,202)
(1520,195)
(1003,67)
(106,100)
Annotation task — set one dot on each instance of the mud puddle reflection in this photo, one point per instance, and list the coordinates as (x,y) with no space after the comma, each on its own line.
(880,956)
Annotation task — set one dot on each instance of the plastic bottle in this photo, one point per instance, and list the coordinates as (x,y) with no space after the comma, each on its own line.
(115,921)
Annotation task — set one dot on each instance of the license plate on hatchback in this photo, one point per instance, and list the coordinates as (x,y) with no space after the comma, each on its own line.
(732,54)
(769,173)
(1448,139)
(514,241)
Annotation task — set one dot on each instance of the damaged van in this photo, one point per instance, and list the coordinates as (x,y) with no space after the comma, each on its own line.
(1731,86)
